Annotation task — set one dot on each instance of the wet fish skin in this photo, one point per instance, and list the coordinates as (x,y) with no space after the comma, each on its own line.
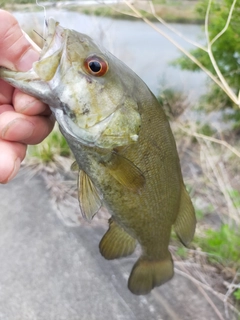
(124,149)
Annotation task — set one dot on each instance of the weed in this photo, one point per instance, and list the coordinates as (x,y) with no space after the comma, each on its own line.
(222,245)
(182,252)
(54,145)
(237,294)
(235,196)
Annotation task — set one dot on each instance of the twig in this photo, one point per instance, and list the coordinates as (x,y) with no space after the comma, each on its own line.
(227,88)
(231,95)
(231,288)
(202,136)
(34,45)
(220,81)
(226,25)
(206,287)
(216,170)
(163,22)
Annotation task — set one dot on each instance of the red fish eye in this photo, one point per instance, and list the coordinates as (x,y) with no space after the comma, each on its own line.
(96,66)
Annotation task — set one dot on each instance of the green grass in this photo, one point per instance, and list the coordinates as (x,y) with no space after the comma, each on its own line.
(222,245)
(237,294)
(47,151)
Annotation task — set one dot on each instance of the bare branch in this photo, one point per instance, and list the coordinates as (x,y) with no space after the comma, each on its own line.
(227,88)
(173,29)
(220,81)
(207,20)
(202,136)
(226,25)
(34,45)
(222,84)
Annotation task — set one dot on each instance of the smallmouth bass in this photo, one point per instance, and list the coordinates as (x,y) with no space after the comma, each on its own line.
(124,149)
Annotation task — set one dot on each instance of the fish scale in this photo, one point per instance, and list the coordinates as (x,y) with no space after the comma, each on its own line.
(124,148)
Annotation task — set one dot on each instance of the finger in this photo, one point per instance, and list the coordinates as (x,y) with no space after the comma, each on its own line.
(6,107)
(12,153)
(29,105)
(15,51)
(25,129)
(6,92)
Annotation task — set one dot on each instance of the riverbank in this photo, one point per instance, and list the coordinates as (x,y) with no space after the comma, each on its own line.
(174,11)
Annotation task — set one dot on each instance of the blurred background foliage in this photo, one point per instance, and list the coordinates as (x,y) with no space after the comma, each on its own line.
(226,51)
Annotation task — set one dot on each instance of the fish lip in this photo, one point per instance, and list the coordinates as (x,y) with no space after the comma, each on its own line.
(54,38)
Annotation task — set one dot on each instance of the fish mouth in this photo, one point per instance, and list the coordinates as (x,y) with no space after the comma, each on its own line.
(55,41)
(54,38)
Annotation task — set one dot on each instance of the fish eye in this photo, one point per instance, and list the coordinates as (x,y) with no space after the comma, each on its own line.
(96,66)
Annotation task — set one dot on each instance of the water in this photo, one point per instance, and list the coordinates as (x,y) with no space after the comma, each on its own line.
(138,45)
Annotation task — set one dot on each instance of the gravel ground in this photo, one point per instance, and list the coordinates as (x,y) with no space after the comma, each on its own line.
(50,271)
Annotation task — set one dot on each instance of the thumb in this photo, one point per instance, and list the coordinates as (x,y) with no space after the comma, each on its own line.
(16,52)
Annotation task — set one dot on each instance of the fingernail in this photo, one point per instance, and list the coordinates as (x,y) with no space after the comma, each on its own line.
(18,128)
(26,61)
(16,168)
(4,176)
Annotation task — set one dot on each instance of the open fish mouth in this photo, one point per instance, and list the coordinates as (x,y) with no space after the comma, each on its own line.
(53,39)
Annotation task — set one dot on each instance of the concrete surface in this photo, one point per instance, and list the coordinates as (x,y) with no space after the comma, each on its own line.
(49,271)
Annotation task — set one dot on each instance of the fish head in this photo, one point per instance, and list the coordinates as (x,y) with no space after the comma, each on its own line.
(94,100)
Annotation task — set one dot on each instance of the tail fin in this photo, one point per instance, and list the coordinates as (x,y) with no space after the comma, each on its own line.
(147,274)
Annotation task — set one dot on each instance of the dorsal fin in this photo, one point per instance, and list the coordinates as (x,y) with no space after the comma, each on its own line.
(186,221)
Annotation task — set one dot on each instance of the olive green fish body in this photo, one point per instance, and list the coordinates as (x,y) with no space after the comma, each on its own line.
(125,151)
(148,213)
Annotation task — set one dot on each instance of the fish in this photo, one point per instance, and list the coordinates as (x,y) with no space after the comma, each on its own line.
(125,152)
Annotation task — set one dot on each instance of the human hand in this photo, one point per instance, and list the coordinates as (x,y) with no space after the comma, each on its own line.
(23,119)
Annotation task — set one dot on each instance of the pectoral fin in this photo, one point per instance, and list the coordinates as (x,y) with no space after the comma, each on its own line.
(126,172)
(88,196)
(186,220)
(116,243)
(74,166)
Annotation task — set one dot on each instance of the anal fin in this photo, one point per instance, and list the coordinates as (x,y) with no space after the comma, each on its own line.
(185,223)
(116,242)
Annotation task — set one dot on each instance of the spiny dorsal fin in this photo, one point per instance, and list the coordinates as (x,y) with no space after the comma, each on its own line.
(116,242)
(186,221)
(88,196)
(126,172)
